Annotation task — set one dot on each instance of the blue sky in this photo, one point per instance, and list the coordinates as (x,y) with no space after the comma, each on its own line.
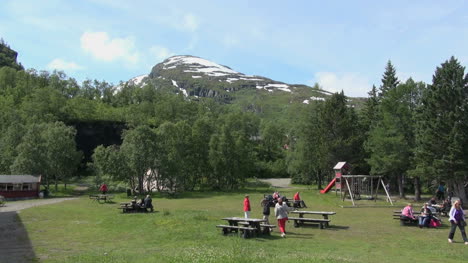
(342,45)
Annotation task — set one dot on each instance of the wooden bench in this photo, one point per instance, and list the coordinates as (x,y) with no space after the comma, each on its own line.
(128,208)
(266,229)
(245,231)
(323,223)
(405,221)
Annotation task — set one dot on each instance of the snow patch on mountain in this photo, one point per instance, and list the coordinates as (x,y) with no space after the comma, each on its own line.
(137,80)
(198,65)
(282,87)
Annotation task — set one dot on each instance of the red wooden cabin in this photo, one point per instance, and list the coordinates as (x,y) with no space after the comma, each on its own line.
(20,186)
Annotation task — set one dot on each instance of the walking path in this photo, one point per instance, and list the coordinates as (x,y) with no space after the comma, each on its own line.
(15,245)
(278,182)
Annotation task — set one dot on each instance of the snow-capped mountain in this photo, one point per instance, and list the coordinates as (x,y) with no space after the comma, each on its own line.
(195,77)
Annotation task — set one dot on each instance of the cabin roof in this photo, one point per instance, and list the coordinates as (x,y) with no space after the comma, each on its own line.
(20,179)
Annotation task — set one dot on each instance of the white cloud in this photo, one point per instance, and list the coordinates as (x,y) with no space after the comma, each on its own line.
(230,40)
(190,22)
(160,52)
(104,48)
(353,84)
(60,64)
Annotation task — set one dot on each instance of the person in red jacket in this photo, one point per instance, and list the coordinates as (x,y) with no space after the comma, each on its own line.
(298,203)
(246,206)
(103,188)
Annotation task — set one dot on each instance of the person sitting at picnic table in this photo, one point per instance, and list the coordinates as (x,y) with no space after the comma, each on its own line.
(134,202)
(246,206)
(432,201)
(298,202)
(407,212)
(446,205)
(276,195)
(281,213)
(148,203)
(103,188)
(425,217)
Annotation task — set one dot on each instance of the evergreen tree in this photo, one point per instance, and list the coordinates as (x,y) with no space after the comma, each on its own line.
(391,139)
(442,127)
(389,79)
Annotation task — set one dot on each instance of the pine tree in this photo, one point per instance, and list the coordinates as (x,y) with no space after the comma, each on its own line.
(389,79)
(442,127)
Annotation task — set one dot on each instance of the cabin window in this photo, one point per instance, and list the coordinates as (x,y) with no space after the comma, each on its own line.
(27,187)
(9,187)
(3,187)
(17,187)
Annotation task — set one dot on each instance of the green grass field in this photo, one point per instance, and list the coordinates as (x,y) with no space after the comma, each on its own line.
(183,230)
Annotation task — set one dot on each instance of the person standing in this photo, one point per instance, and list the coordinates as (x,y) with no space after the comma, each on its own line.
(103,188)
(246,206)
(440,192)
(266,203)
(281,213)
(457,218)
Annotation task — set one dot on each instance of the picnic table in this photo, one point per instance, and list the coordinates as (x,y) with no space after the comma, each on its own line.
(323,223)
(248,226)
(132,207)
(404,220)
(101,198)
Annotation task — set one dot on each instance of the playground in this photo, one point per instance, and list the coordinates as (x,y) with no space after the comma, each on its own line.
(183,230)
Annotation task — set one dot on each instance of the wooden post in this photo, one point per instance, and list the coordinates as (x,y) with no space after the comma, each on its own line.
(385,188)
(349,190)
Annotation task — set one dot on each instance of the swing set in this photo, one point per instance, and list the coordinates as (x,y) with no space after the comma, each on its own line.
(356,187)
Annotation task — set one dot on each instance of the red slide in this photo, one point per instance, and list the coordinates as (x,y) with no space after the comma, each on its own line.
(329,186)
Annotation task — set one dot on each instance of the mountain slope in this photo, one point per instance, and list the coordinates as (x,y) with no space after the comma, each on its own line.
(197,78)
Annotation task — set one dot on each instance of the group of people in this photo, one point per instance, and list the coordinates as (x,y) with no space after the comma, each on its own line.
(281,209)
(146,203)
(456,218)
(143,203)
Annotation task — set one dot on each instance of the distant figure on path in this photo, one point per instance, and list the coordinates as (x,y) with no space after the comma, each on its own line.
(457,218)
(281,213)
(246,206)
(440,192)
(149,203)
(407,212)
(103,188)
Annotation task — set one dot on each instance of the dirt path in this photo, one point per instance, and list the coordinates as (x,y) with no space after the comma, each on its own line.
(278,182)
(15,245)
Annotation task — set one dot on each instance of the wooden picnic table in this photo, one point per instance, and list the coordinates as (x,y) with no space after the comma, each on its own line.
(101,197)
(253,225)
(301,219)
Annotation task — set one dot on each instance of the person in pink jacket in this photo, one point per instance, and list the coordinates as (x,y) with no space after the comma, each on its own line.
(407,212)
(246,206)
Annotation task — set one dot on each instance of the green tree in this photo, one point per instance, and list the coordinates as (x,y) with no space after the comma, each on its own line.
(442,126)
(389,79)
(139,148)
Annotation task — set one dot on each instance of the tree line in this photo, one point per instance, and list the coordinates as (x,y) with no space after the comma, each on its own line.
(410,132)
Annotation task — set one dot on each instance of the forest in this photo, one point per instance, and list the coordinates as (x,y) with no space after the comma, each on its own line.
(410,132)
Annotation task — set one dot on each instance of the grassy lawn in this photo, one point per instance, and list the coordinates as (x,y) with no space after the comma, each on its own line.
(183,230)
